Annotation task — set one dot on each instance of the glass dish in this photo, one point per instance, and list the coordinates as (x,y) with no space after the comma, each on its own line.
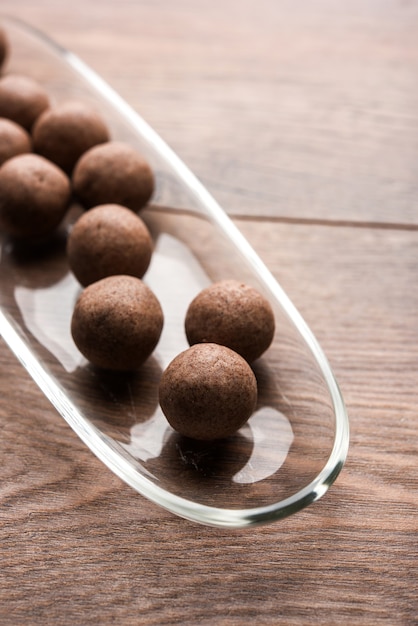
(293,447)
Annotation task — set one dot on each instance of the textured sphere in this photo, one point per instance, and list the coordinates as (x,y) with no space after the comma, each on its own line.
(64,132)
(208,392)
(34,196)
(109,239)
(117,322)
(113,173)
(234,315)
(14,140)
(22,99)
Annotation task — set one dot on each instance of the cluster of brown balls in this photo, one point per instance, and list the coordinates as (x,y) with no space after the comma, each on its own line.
(51,153)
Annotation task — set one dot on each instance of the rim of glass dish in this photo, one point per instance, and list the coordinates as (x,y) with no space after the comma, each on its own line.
(102,446)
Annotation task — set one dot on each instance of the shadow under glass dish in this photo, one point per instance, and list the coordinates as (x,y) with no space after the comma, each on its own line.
(294,445)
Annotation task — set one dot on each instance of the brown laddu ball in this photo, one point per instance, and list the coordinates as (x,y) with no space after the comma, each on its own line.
(34,196)
(14,140)
(109,239)
(208,392)
(117,323)
(67,130)
(232,314)
(22,99)
(113,173)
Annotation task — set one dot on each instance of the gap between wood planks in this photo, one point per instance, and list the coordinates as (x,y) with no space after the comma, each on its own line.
(307,221)
(303,221)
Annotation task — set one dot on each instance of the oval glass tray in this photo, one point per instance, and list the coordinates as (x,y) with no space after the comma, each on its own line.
(294,445)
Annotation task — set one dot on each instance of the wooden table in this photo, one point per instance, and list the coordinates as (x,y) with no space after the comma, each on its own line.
(301,119)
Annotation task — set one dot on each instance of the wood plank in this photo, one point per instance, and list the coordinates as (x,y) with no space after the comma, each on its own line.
(293,109)
(79,545)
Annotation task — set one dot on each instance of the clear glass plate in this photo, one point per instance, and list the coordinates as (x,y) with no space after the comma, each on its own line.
(294,445)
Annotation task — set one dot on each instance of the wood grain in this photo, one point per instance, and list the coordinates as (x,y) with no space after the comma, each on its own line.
(299,111)
(303,109)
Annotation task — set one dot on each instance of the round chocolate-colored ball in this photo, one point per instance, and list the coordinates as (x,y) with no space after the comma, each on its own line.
(34,196)
(232,314)
(64,132)
(208,392)
(117,322)
(4,47)
(113,172)
(22,99)
(109,239)
(14,140)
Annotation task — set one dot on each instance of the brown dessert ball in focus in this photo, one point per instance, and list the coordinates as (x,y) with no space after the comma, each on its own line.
(109,239)
(208,392)
(64,132)
(232,314)
(4,47)
(113,173)
(34,196)
(14,140)
(22,99)
(117,323)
